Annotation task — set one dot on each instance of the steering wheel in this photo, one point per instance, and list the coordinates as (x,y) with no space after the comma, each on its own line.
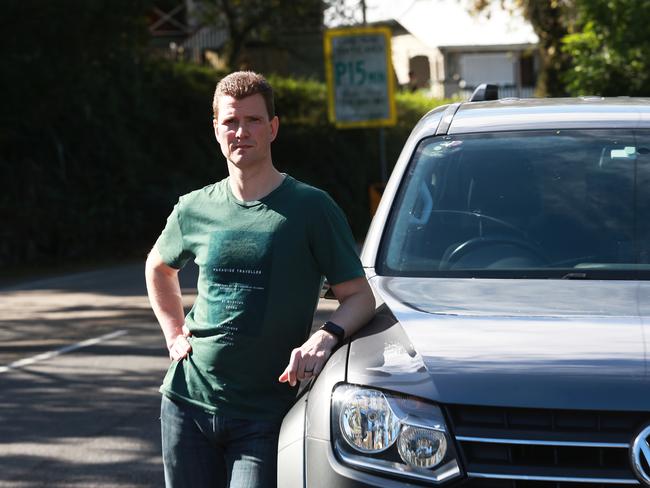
(481,216)
(522,241)
(530,249)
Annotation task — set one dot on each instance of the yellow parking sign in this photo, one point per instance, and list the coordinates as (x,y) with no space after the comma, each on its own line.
(360,81)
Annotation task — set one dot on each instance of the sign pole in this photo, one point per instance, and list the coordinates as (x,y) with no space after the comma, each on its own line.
(382,155)
(383,168)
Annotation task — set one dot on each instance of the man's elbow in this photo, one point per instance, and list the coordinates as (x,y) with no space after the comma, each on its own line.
(155,265)
(151,263)
(371,303)
(366,302)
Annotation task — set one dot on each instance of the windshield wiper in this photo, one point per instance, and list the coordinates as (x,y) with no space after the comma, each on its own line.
(575,276)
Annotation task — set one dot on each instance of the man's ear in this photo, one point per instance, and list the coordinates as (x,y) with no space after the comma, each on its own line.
(215,126)
(275,126)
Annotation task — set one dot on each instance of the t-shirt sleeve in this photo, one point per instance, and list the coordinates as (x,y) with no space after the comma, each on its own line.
(332,243)
(171,244)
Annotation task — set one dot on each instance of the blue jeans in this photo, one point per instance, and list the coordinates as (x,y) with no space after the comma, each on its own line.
(204,450)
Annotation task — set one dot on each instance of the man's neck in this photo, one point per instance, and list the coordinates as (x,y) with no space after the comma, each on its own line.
(255,183)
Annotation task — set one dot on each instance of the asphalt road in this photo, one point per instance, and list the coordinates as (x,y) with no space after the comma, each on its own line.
(81,359)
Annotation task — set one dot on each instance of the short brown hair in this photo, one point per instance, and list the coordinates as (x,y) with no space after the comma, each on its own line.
(242,84)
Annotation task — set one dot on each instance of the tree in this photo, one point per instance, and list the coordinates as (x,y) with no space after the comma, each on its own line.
(71,88)
(551,20)
(345,12)
(610,48)
(259,21)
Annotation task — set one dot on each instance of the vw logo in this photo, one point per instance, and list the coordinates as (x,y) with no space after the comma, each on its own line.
(640,454)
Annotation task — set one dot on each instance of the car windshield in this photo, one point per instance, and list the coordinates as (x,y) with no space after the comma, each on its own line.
(530,204)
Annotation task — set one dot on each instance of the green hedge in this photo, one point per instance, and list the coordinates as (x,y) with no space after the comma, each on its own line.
(93,173)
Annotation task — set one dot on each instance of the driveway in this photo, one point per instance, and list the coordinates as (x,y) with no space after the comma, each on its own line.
(81,359)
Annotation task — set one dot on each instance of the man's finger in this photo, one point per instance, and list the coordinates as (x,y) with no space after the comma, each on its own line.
(309,367)
(180,348)
(292,369)
(186,331)
(284,377)
(322,361)
(318,367)
(184,344)
(174,353)
(302,369)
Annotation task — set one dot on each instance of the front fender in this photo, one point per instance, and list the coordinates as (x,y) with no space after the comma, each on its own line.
(309,416)
(291,446)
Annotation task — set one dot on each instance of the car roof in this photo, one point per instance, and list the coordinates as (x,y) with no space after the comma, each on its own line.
(547,113)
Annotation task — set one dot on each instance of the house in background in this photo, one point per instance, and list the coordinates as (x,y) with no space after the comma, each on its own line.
(178,31)
(438,45)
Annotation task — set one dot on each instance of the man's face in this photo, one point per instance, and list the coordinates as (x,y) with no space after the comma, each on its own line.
(244,130)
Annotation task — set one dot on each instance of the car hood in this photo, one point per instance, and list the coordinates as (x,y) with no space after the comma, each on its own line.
(517,343)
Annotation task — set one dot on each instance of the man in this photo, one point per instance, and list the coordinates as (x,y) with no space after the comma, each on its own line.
(262,241)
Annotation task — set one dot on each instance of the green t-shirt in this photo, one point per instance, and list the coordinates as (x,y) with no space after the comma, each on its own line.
(260,271)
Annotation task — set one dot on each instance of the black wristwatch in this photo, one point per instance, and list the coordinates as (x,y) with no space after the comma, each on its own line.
(336,330)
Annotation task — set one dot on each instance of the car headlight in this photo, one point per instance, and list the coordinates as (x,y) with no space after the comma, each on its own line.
(367,421)
(391,433)
(423,448)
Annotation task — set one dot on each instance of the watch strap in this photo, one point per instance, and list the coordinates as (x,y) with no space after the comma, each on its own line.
(334,329)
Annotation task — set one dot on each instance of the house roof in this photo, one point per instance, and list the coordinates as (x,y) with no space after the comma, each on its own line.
(449,23)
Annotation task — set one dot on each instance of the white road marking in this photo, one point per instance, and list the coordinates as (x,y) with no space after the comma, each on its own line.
(52,354)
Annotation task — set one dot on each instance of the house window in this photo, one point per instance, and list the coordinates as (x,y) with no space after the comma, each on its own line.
(480,68)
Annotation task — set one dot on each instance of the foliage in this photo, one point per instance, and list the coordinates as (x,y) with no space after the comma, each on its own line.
(551,20)
(98,140)
(596,47)
(299,101)
(263,21)
(56,96)
(344,12)
(84,115)
(610,48)
(412,105)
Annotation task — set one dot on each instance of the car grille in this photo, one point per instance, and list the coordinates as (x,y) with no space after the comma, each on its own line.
(535,448)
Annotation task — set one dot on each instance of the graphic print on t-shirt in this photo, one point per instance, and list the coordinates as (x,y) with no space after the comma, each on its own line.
(238,268)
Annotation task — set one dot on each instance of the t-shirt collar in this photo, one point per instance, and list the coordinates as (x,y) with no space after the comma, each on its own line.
(254,203)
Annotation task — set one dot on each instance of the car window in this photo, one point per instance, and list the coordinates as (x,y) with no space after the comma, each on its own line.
(523,204)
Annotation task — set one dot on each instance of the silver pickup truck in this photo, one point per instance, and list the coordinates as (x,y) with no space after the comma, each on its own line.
(510,258)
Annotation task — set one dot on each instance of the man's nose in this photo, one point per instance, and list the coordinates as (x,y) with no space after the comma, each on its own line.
(241,129)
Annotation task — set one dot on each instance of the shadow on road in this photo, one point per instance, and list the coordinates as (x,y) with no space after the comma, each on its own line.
(123,280)
(87,418)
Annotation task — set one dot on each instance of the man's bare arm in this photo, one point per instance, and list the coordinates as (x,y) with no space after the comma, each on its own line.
(164,292)
(356,308)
